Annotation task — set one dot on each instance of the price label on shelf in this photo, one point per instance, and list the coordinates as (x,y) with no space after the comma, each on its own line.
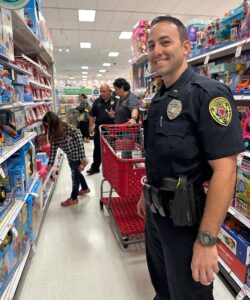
(241,295)
(206,59)
(2,174)
(238,50)
(19,116)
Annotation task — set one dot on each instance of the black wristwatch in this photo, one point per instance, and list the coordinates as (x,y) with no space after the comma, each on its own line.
(207,239)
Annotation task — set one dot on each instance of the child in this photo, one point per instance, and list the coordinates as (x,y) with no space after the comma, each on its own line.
(69,139)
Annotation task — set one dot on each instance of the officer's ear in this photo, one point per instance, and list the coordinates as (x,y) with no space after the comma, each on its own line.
(186,47)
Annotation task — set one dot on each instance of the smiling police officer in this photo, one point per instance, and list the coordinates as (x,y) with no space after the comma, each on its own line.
(192,137)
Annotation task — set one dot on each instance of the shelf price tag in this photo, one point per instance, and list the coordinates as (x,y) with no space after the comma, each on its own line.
(238,50)
(2,174)
(241,295)
(19,116)
(206,59)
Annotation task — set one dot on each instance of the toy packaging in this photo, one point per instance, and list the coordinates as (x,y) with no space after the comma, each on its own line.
(241,271)
(10,124)
(139,39)
(6,34)
(237,239)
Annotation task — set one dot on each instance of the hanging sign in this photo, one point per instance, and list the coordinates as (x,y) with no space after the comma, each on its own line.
(13,4)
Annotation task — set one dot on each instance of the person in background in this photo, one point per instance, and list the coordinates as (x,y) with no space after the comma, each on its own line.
(69,139)
(101,113)
(192,136)
(83,118)
(127,108)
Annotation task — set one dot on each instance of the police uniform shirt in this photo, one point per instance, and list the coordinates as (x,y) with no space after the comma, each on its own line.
(124,108)
(193,121)
(100,110)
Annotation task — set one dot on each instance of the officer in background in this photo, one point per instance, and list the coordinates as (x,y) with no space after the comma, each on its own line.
(102,112)
(192,137)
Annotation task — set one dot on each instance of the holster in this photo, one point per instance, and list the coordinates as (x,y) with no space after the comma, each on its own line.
(183,206)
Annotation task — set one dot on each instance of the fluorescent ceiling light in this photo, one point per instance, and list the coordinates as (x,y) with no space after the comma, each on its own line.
(60,50)
(67,50)
(86,15)
(106,64)
(85,45)
(84,76)
(71,77)
(125,35)
(113,54)
(85,67)
(84,72)
(102,71)
(99,75)
(130,60)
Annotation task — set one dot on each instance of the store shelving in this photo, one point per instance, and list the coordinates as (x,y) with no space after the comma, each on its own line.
(12,286)
(239,216)
(11,215)
(12,66)
(40,85)
(9,150)
(40,70)
(220,52)
(27,41)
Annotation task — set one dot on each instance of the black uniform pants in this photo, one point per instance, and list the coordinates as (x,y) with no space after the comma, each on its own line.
(97,158)
(84,128)
(169,256)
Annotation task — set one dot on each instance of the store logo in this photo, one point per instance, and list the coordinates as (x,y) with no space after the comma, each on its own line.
(13,4)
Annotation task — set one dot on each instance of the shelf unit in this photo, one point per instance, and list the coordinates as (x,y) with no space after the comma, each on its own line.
(220,52)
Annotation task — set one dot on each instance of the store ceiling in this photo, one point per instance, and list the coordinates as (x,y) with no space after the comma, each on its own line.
(112,17)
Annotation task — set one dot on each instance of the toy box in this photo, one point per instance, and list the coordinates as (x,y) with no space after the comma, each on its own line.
(35,210)
(237,238)
(32,13)
(242,196)
(236,266)
(6,34)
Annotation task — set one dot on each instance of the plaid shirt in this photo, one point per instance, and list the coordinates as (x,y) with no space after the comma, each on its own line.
(72,145)
(85,108)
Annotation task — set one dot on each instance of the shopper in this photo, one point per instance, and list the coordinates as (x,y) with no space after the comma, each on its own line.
(69,139)
(83,118)
(127,108)
(192,135)
(101,113)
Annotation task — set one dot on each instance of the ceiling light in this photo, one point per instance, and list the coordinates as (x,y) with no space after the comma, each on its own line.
(86,15)
(85,45)
(130,60)
(102,71)
(84,76)
(125,35)
(84,72)
(113,54)
(85,67)
(99,75)
(67,50)
(71,77)
(60,50)
(106,64)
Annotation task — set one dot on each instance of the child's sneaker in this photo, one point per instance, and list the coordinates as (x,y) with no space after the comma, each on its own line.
(83,192)
(69,202)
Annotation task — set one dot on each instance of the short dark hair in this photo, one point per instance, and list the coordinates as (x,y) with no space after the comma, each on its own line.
(180,26)
(122,83)
(84,96)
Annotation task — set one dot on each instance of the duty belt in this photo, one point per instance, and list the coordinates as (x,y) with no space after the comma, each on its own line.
(181,203)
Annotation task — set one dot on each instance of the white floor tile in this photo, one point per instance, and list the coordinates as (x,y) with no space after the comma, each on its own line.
(78,256)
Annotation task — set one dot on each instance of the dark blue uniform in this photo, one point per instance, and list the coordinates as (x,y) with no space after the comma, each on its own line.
(100,110)
(193,121)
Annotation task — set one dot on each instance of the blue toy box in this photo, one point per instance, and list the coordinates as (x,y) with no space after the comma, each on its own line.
(35,210)
(32,12)
(237,239)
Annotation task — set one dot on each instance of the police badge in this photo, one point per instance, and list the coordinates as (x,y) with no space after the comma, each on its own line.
(174,109)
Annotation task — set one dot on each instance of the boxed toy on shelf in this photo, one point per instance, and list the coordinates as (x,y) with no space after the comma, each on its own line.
(6,36)
(139,39)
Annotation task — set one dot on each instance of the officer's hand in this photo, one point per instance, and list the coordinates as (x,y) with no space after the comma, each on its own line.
(91,129)
(204,263)
(141,207)
(132,122)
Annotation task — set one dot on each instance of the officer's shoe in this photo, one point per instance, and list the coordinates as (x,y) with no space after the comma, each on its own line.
(92,171)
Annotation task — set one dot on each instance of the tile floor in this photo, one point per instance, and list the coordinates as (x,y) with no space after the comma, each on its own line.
(78,257)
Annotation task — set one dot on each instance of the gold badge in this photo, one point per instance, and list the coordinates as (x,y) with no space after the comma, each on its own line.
(221,111)
(112,102)
(174,109)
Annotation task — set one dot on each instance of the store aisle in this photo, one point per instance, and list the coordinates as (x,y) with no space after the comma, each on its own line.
(78,257)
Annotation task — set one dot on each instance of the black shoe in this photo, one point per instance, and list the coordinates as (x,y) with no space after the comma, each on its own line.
(92,171)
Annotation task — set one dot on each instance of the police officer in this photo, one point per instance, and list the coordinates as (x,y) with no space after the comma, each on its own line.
(192,137)
(102,112)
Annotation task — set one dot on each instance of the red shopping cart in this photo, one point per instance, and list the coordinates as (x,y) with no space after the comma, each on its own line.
(123,163)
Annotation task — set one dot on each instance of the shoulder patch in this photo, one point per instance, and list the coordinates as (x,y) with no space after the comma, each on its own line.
(220,110)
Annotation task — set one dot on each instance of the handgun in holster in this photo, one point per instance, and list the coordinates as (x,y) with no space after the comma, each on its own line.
(183,205)
(147,197)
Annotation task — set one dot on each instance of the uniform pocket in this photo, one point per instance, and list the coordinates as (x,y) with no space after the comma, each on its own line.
(173,142)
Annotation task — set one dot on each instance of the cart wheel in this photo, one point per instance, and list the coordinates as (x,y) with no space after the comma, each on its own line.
(124,240)
(101,205)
